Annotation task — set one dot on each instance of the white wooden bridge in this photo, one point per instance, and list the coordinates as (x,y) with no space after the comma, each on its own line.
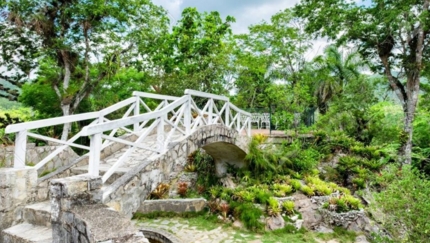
(171,119)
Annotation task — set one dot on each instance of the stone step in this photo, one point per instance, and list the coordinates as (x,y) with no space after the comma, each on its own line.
(38,214)
(102,170)
(27,233)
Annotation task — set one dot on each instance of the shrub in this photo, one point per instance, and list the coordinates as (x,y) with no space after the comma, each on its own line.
(250,216)
(273,207)
(405,204)
(296,184)
(307,191)
(288,207)
(182,189)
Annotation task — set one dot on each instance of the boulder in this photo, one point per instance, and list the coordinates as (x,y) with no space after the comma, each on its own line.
(309,211)
(275,222)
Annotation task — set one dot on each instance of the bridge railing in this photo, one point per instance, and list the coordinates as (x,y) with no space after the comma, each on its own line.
(30,129)
(171,115)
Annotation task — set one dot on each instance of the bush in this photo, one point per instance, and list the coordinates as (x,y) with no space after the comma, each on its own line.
(250,216)
(405,203)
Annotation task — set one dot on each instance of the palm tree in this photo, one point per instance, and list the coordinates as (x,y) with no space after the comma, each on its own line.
(333,71)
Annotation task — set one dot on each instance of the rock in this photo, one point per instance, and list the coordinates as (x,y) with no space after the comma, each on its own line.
(228,182)
(309,211)
(238,224)
(361,239)
(275,222)
(299,224)
(323,229)
(294,218)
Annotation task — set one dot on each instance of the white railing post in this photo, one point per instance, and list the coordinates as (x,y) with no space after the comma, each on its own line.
(227,114)
(238,126)
(95,147)
(210,111)
(249,126)
(136,112)
(187,116)
(20,149)
(160,135)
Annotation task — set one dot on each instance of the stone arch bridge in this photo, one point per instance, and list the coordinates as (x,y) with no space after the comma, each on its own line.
(128,156)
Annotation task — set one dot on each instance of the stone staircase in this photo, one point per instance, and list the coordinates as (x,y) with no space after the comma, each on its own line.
(36,227)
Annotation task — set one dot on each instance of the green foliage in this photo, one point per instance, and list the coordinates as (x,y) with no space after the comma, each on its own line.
(204,164)
(194,55)
(288,206)
(405,204)
(250,216)
(8,117)
(296,184)
(273,207)
(308,191)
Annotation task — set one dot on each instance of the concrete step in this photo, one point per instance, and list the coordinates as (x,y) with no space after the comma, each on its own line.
(27,233)
(38,214)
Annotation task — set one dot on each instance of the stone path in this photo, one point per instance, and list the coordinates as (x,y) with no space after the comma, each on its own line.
(187,233)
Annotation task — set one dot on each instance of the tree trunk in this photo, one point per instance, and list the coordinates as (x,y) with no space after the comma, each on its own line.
(67,126)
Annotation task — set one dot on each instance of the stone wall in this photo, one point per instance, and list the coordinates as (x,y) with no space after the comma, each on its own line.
(173,205)
(127,193)
(35,154)
(77,214)
(17,189)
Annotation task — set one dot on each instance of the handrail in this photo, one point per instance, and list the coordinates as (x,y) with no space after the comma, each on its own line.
(50,122)
(239,110)
(205,95)
(154,96)
(106,126)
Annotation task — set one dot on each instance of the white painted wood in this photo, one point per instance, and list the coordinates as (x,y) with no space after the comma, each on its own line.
(117,106)
(136,112)
(154,96)
(248,122)
(50,122)
(227,113)
(113,132)
(120,161)
(210,111)
(94,155)
(57,151)
(146,107)
(239,110)
(187,115)
(45,138)
(117,164)
(160,135)
(20,150)
(205,95)
(98,128)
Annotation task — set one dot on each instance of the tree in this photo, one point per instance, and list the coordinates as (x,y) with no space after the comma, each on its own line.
(273,52)
(195,55)
(84,42)
(333,71)
(392,35)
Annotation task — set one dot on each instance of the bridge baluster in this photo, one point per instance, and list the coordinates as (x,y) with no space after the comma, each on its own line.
(20,149)
(94,156)
(136,126)
(187,116)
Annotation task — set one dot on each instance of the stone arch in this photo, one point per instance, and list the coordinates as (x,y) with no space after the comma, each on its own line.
(225,145)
